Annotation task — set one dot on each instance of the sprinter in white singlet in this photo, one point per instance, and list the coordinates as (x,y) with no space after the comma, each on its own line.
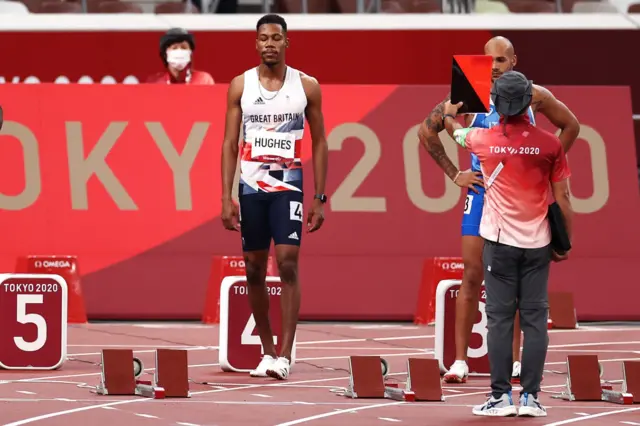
(271,103)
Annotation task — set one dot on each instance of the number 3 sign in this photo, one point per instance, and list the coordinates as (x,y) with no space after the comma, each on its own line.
(445,346)
(240,347)
(33,318)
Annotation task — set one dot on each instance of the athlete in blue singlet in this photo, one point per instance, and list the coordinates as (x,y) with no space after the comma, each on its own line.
(504,59)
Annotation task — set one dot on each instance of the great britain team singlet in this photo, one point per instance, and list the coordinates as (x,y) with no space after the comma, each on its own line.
(273,127)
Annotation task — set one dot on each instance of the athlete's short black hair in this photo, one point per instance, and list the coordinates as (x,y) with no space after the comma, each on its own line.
(272,18)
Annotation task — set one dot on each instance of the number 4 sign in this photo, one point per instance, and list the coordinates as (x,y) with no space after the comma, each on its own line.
(240,346)
(33,314)
(445,346)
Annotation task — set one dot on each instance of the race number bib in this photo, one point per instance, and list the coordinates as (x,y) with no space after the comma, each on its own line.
(273,146)
(468,203)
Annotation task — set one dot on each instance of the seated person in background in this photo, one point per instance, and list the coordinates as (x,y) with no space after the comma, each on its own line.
(176,50)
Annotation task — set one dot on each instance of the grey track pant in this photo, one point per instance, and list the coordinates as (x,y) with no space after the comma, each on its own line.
(516,278)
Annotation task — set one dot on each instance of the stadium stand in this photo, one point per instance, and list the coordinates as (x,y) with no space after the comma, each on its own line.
(593,7)
(319,6)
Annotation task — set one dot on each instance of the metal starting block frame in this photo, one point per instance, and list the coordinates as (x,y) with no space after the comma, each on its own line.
(366,380)
(120,373)
(585,383)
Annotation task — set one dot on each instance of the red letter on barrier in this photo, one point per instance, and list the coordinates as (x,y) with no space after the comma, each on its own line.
(33,314)
(240,348)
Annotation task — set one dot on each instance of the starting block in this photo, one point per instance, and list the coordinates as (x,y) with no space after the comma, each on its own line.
(423,378)
(172,372)
(631,379)
(367,380)
(118,375)
(120,372)
(585,384)
(562,311)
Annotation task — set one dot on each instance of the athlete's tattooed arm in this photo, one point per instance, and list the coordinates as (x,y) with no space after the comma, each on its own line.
(450,123)
(428,135)
(558,114)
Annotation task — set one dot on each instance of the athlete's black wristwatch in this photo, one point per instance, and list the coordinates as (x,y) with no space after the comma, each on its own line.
(444,117)
(321,197)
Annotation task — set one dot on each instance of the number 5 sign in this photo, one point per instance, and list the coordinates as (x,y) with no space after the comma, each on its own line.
(240,347)
(33,318)
(445,344)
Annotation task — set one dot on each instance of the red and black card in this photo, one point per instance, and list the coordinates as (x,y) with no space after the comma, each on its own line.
(471,82)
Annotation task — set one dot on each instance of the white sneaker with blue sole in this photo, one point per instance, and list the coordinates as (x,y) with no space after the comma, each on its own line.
(502,407)
(531,407)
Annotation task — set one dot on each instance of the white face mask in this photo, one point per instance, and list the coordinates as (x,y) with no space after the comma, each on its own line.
(179,58)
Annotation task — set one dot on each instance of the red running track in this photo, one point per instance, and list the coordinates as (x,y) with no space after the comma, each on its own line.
(63,397)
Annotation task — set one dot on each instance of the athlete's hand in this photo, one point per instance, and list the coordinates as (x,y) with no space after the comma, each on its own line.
(230,215)
(315,218)
(451,109)
(559,257)
(468,179)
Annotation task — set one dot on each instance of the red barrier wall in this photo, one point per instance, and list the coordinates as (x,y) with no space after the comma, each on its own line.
(106,173)
(131,56)
(346,57)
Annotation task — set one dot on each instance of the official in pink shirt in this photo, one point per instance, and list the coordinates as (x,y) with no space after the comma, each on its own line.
(521,164)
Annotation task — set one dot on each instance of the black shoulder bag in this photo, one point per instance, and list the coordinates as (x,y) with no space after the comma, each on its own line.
(559,236)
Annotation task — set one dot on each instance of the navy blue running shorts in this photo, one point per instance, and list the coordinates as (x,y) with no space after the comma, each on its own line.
(270,215)
(472,215)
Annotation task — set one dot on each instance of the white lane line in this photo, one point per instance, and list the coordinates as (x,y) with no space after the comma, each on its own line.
(147,416)
(592,416)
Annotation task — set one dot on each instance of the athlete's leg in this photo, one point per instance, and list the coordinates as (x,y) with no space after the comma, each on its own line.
(286,223)
(516,347)
(469,294)
(256,238)
(256,269)
(516,338)
(287,256)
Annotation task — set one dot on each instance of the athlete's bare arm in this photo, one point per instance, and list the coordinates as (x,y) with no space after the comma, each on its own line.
(230,150)
(319,146)
(558,114)
(561,195)
(428,135)
(450,123)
